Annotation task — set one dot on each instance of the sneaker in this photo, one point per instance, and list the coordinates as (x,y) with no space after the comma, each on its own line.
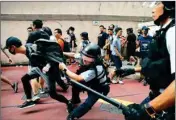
(120,82)
(41,91)
(114,81)
(145,83)
(36,98)
(26,104)
(69,107)
(15,87)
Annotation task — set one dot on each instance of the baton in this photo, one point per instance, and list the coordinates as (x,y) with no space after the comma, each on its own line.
(105,98)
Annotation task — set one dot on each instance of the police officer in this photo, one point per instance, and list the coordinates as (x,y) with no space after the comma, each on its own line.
(92,74)
(159,69)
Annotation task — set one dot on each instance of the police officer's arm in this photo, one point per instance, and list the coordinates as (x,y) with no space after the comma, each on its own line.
(69,54)
(71,74)
(165,100)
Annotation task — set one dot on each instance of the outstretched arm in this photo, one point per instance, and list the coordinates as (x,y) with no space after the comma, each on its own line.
(164,100)
(69,54)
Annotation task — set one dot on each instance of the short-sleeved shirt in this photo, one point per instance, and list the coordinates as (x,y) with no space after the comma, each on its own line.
(90,74)
(170,42)
(110,38)
(61,43)
(144,45)
(35,35)
(116,44)
(102,39)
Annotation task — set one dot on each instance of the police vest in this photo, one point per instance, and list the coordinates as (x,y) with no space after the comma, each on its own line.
(156,67)
(95,83)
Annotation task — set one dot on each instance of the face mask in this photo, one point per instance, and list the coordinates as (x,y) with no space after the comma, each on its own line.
(12,52)
(70,31)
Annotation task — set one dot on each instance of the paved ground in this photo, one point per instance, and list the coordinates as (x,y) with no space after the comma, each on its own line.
(49,109)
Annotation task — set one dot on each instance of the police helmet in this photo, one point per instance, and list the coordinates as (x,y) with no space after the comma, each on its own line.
(92,50)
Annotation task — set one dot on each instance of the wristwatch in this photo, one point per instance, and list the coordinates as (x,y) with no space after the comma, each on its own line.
(150,110)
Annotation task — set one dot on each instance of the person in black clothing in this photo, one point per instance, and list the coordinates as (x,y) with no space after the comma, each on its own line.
(15,46)
(73,44)
(102,37)
(37,32)
(131,44)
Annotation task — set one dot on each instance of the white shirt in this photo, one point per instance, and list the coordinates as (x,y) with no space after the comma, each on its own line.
(170,41)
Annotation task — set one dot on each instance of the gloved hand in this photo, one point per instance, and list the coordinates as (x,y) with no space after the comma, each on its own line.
(125,72)
(69,117)
(136,112)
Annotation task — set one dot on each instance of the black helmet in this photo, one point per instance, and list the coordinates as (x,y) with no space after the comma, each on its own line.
(169,11)
(92,50)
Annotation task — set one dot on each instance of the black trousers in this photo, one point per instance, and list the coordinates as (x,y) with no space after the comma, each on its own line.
(52,76)
(131,47)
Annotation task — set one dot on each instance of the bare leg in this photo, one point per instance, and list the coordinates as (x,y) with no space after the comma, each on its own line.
(41,82)
(35,86)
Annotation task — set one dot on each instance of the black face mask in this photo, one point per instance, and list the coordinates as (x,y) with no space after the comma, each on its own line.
(12,52)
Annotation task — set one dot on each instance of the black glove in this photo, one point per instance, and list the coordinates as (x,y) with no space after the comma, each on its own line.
(70,117)
(125,72)
(136,112)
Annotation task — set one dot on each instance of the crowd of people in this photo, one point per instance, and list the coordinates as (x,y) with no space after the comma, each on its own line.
(49,55)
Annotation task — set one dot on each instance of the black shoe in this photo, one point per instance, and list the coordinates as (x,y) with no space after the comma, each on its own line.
(69,117)
(75,101)
(69,107)
(15,87)
(26,104)
(145,83)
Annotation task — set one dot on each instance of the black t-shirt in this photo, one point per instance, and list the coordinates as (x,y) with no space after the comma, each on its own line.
(34,62)
(73,38)
(102,39)
(131,38)
(38,34)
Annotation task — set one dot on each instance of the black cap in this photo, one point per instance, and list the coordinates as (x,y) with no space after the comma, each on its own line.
(84,35)
(145,28)
(13,41)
